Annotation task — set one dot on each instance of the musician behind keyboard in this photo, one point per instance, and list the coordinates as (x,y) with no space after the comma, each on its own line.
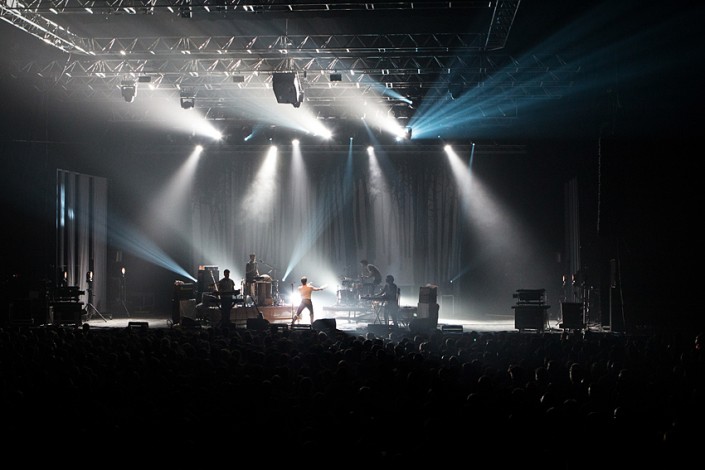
(226,290)
(390,297)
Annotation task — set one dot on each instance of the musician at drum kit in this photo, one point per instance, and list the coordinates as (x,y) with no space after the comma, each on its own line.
(371,277)
(251,275)
(349,293)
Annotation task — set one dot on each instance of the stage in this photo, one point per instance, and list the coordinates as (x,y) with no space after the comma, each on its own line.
(354,318)
(346,318)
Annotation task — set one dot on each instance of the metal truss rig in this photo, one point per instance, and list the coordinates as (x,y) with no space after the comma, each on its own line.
(398,68)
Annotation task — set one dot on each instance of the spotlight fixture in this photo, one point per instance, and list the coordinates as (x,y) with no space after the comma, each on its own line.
(144,79)
(128,89)
(188,100)
(408,133)
(336,77)
(287,88)
(238,79)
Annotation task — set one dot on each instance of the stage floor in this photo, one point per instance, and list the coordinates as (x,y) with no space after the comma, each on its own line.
(355,320)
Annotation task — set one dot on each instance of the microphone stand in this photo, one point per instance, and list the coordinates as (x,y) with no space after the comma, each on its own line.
(123,293)
(90,306)
(291,299)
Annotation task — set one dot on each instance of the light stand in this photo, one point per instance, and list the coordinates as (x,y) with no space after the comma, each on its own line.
(90,308)
(123,292)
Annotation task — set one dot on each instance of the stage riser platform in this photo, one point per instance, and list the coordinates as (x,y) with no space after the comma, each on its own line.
(240,314)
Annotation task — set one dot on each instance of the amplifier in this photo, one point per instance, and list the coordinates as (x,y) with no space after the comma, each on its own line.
(428,294)
(572,315)
(530,317)
(66,313)
(183,291)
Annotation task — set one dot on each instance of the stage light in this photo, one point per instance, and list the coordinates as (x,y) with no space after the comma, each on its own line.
(188,100)
(408,133)
(144,79)
(128,89)
(336,77)
(238,79)
(287,88)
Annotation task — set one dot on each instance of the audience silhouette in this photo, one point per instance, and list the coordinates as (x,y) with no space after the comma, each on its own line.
(564,401)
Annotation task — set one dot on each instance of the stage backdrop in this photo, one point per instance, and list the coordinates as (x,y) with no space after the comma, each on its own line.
(81,235)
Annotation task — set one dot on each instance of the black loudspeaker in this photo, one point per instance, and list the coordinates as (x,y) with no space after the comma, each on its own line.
(258,324)
(571,315)
(428,294)
(324,324)
(207,276)
(183,309)
(529,317)
(287,88)
(300,327)
(142,325)
(423,325)
(67,313)
(184,291)
(20,313)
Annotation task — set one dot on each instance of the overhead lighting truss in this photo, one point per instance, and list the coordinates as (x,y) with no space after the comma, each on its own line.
(416,66)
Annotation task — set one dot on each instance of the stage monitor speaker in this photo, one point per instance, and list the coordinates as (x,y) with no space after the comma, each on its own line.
(298,327)
(571,315)
(324,324)
(452,329)
(258,324)
(278,327)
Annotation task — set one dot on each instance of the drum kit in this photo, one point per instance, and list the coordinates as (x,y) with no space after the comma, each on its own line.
(263,288)
(349,292)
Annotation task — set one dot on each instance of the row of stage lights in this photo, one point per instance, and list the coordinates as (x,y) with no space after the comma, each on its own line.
(286,89)
(286,86)
(249,138)
(128,90)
